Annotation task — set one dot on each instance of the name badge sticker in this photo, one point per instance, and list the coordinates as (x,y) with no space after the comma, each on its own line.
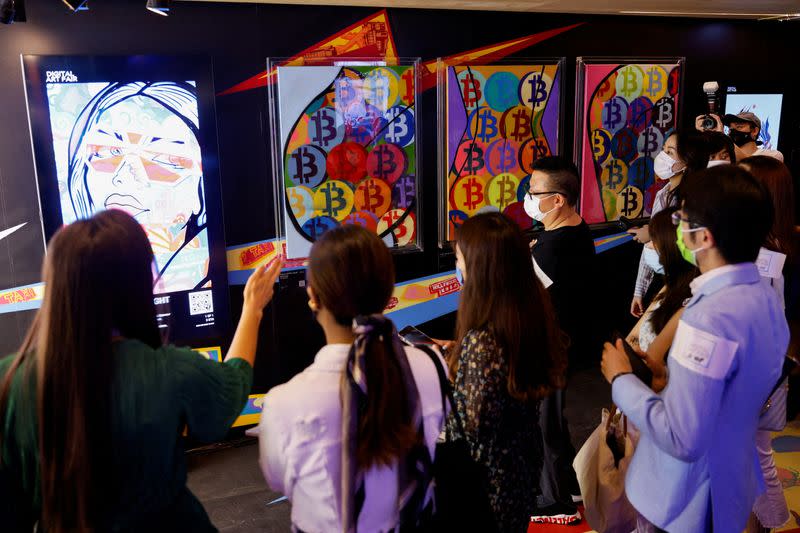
(543,277)
(770,264)
(703,352)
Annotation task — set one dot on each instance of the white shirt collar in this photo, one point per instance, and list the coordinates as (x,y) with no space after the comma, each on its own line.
(698,282)
(331,358)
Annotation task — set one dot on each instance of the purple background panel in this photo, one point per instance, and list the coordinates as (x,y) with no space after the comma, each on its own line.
(550,118)
(456,116)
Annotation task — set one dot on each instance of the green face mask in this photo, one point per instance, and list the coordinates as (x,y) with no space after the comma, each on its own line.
(687,254)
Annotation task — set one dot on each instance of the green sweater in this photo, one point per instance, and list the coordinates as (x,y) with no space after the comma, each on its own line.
(157,393)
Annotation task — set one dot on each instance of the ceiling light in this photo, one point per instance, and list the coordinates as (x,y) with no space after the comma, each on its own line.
(158,6)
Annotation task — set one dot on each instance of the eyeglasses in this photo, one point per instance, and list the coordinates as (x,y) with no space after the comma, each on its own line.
(532,194)
(677,218)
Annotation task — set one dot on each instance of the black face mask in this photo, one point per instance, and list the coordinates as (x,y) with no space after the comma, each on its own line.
(740,138)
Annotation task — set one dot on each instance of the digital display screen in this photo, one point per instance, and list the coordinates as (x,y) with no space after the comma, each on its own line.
(767,107)
(131,133)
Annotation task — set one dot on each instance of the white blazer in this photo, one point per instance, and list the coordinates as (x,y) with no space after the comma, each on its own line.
(300,443)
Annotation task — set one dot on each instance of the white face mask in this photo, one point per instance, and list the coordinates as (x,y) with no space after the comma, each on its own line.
(531,206)
(652,260)
(717,162)
(663,164)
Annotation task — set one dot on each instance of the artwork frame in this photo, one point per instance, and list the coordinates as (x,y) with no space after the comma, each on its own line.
(367,157)
(138,133)
(502,103)
(623,153)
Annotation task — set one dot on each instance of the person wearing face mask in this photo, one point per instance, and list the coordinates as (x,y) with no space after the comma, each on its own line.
(743,129)
(683,153)
(695,466)
(663,256)
(563,256)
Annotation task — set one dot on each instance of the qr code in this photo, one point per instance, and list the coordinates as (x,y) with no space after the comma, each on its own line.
(201,303)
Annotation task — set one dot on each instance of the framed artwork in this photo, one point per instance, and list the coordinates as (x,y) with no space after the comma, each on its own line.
(345,149)
(766,107)
(625,110)
(496,120)
(138,134)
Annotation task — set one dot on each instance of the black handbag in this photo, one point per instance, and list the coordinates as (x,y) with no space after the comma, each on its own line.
(460,499)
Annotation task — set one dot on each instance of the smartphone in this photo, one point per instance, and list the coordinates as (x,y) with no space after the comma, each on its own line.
(412,335)
(640,368)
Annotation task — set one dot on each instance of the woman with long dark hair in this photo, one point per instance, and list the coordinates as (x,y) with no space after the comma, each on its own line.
(93,405)
(655,330)
(509,354)
(351,439)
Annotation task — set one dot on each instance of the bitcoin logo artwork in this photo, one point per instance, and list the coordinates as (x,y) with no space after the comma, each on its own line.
(469,158)
(674,83)
(323,130)
(467,194)
(516,123)
(471,84)
(629,202)
(623,145)
(641,174)
(301,203)
(607,89)
(614,114)
(306,166)
(482,125)
(347,161)
(501,156)
(665,114)
(457,218)
(386,162)
(365,219)
(407,86)
(373,195)
(615,175)
(502,190)
(316,226)
(640,114)
(501,91)
(534,90)
(333,199)
(629,82)
(601,145)
(400,126)
(404,192)
(381,88)
(650,142)
(655,82)
(405,232)
(530,151)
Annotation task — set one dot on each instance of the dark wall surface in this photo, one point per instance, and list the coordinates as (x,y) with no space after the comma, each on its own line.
(240,38)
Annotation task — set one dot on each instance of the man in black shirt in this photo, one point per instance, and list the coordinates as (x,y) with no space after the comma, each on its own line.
(563,257)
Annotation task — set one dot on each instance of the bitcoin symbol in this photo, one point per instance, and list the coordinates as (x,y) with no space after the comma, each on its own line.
(472,91)
(364,219)
(665,116)
(623,145)
(373,195)
(614,177)
(532,150)
(387,162)
(323,128)
(408,86)
(502,190)
(640,114)
(347,161)
(533,89)
(306,165)
(607,89)
(641,174)
(301,203)
(404,191)
(501,156)
(516,123)
(650,141)
(630,200)
(316,226)
(404,232)
(656,82)
(501,91)
(629,82)
(333,199)
(469,158)
(485,124)
(601,145)
(400,130)
(381,87)
(674,81)
(474,193)
(614,114)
